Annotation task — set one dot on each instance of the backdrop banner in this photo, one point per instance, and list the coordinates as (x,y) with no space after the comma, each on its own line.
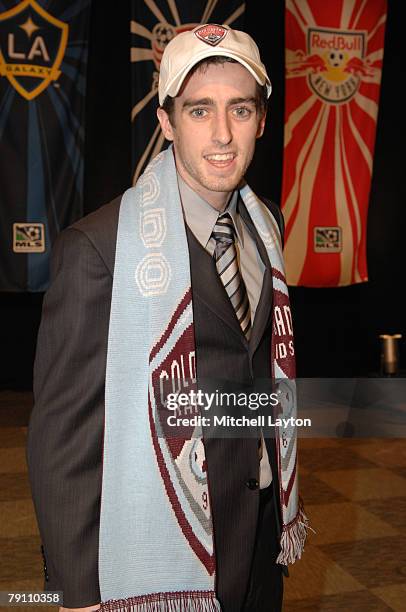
(154,23)
(43,56)
(334,54)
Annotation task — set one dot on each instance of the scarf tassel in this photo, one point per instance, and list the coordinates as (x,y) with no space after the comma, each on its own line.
(293,537)
(182,601)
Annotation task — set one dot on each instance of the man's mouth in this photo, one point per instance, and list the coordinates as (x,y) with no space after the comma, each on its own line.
(221,161)
(220,157)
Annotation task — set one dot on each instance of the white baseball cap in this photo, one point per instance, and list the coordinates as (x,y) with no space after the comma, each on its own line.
(189,48)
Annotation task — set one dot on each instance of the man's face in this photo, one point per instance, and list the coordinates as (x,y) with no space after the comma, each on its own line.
(215,125)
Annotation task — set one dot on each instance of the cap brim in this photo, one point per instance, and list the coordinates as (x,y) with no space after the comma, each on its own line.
(176,83)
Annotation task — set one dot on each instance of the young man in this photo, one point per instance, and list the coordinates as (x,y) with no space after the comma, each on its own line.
(177,281)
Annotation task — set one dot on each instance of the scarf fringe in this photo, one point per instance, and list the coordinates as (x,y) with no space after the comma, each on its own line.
(181,601)
(293,537)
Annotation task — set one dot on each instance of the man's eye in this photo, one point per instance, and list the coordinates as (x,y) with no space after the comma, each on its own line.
(198,113)
(242,112)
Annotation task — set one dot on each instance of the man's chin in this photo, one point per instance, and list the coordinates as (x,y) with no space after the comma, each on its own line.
(223,185)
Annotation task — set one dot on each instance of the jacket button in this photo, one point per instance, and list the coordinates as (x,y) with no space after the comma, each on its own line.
(252,484)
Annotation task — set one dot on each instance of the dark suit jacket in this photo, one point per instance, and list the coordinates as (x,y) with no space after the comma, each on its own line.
(64,451)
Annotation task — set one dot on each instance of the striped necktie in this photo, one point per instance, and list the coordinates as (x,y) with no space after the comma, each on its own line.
(225,255)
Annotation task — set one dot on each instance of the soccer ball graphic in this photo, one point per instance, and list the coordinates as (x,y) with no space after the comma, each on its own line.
(163,34)
(336,59)
(33,233)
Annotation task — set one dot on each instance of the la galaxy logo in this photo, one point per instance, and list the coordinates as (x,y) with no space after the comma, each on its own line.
(341,55)
(32,47)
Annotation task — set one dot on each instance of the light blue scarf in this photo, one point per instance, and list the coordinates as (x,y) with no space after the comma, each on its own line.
(156,549)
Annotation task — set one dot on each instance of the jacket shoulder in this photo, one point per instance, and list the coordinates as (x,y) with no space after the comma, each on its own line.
(100,222)
(100,227)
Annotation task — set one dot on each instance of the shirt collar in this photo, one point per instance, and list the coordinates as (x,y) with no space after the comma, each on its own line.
(201,217)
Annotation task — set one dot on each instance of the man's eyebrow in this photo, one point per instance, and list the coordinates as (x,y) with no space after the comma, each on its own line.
(199,102)
(210,102)
(250,100)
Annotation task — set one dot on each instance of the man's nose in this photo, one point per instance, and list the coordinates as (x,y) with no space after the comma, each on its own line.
(221,129)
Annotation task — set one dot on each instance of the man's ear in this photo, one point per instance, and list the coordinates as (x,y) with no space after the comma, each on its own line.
(261,125)
(166,126)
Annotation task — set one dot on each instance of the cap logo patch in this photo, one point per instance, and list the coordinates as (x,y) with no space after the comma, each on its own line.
(211,34)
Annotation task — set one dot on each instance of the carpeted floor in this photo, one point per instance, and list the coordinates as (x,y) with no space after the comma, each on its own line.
(355,496)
